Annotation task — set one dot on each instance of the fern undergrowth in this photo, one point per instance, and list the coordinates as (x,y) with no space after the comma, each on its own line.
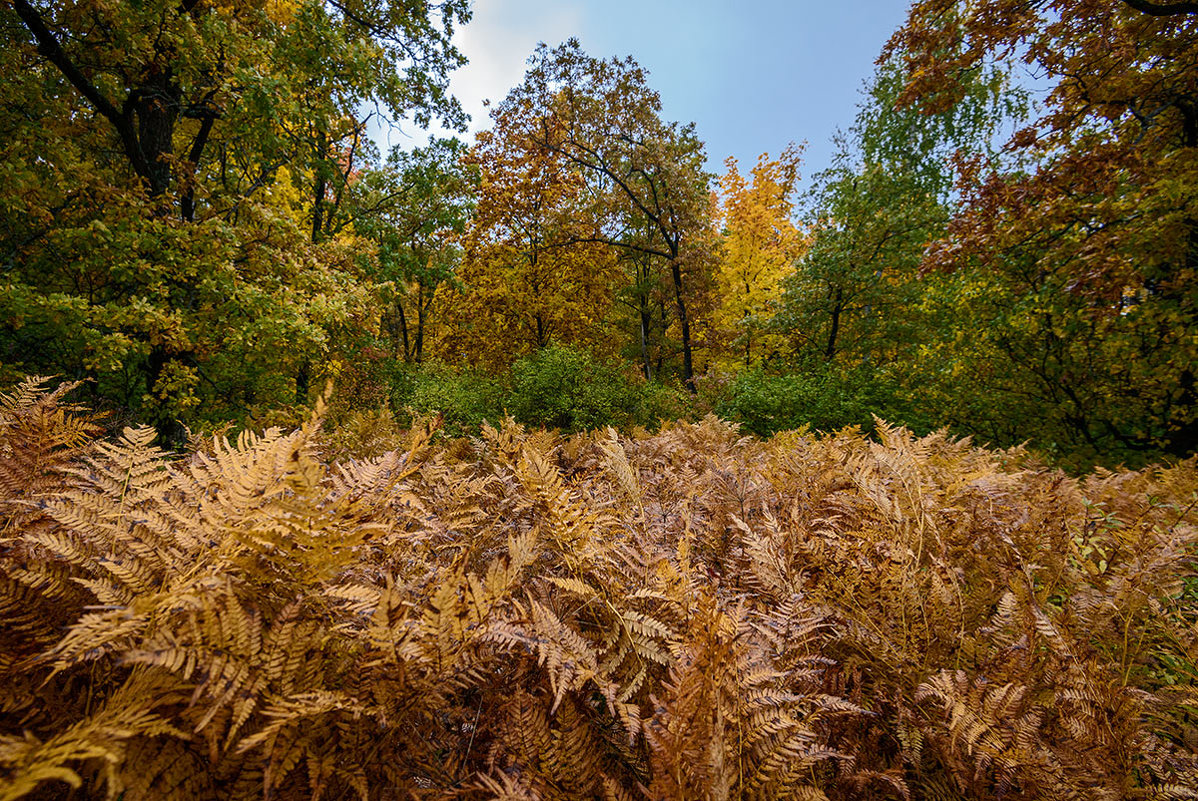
(689,615)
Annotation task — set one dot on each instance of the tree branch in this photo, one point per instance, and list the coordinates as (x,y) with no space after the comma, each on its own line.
(374,29)
(1166,10)
(197,150)
(631,247)
(49,47)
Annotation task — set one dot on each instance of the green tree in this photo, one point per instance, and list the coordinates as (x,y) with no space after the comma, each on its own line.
(143,235)
(415,209)
(855,294)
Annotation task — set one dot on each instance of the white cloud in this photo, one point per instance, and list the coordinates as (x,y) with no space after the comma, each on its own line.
(497,42)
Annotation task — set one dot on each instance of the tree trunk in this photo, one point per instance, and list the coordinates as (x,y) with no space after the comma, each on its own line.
(157,112)
(834,332)
(317,206)
(646,365)
(688,364)
(665,325)
(303,382)
(421,316)
(403,332)
(171,433)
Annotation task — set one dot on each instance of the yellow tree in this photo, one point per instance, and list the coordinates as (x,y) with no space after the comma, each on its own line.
(532,273)
(761,244)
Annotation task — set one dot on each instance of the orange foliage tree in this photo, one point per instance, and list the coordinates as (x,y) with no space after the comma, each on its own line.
(532,272)
(644,176)
(1094,246)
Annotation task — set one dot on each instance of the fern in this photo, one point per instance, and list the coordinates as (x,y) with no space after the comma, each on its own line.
(689,614)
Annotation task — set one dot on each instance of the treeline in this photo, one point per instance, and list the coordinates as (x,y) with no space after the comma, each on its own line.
(198,221)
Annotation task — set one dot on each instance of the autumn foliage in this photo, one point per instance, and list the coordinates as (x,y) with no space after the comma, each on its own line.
(1086,254)
(693,614)
(398,599)
(760,248)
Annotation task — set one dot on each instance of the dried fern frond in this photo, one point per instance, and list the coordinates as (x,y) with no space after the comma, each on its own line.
(40,434)
(688,614)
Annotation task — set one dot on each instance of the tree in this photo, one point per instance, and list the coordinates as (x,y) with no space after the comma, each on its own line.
(851,296)
(1095,244)
(533,272)
(647,298)
(415,210)
(144,139)
(148,68)
(855,294)
(646,175)
(761,244)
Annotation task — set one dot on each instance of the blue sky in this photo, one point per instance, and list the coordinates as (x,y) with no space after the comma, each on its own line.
(752,75)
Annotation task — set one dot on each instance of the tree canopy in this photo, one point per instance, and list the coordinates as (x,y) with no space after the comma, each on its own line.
(1089,256)
(200,222)
(152,145)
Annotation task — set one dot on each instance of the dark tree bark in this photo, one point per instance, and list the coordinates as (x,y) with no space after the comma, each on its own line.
(834,331)
(303,382)
(1162,9)
(421,316)
(403,332)
(688,363)
(646,364)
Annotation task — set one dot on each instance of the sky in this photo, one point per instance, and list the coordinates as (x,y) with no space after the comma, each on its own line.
(752,75)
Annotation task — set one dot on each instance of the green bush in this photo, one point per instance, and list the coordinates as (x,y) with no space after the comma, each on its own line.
(823,397)
(558,387)
(561,387)
(463,397)
(658,402)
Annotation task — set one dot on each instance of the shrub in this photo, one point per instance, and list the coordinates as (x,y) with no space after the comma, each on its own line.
(822,397)
(658,403)
(565,388)
(465,398)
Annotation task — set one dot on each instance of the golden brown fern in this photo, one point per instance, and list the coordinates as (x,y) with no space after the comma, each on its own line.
(689,614)
(40,435)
